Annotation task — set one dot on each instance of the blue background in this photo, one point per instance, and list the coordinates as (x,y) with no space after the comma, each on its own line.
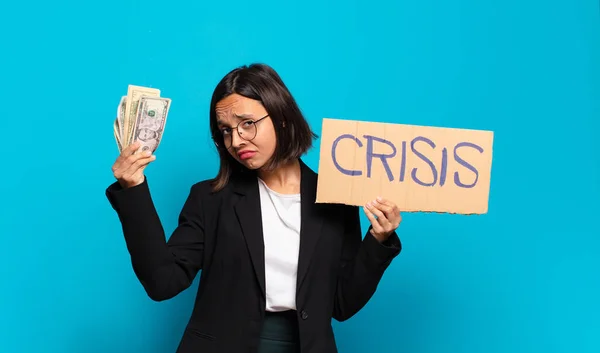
(523,278)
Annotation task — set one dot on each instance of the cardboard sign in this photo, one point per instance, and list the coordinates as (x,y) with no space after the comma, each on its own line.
(419,168)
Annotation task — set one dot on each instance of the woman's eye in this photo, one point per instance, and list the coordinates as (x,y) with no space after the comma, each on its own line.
(248,123)
(225,131)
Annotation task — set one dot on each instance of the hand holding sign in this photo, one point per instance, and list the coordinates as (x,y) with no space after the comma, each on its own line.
(384,216)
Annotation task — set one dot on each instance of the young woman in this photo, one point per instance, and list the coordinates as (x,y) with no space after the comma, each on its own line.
(275,266)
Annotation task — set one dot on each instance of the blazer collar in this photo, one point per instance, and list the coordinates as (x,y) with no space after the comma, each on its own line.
(248,212)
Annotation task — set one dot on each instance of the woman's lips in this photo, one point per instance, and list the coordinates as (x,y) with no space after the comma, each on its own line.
(246,154)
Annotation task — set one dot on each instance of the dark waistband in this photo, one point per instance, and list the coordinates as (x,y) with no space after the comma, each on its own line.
(281,326)
(290,314)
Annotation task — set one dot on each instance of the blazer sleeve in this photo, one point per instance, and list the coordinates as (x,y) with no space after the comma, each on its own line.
(363,263)
(163,268)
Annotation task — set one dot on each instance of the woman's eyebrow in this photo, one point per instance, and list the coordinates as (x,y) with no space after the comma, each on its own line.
(221,122)
(244,116)
(238,116)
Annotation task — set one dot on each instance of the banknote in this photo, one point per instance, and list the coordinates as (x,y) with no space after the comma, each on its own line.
(121,114)
(141,116)
(118,123)
(134,93)
(150,122)
(117,134)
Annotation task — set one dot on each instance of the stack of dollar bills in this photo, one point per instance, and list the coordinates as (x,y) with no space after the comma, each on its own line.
(141,116)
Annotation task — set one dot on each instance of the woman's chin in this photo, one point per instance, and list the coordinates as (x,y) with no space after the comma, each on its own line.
(250,163)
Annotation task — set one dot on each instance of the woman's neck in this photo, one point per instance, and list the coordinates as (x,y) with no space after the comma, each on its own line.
(285,179)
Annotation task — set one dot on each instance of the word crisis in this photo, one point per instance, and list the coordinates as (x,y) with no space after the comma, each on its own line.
(418,146)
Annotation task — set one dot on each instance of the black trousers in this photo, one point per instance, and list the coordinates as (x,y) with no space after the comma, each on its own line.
(279,333)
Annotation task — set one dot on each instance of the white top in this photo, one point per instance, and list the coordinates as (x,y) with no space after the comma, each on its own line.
(281,232)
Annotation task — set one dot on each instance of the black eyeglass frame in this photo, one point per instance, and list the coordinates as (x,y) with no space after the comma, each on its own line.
(254,122)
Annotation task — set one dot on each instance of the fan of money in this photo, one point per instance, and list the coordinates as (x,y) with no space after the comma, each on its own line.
(141,116)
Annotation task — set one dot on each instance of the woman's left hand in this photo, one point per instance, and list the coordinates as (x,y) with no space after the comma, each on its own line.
(384,216)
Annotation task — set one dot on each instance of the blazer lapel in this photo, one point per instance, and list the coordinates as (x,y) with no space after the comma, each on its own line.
(248,213)
(311,220)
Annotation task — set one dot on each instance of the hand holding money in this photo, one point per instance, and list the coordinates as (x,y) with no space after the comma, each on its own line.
(141,116)
(129,167)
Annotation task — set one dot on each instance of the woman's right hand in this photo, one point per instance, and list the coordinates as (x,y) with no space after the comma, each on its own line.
(129,166)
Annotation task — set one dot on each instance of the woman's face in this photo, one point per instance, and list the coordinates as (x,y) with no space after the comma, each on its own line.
(254,141)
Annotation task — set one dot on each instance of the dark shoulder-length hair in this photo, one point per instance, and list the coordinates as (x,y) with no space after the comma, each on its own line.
(262,83)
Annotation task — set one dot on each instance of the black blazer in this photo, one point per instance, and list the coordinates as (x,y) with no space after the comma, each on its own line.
(221,234)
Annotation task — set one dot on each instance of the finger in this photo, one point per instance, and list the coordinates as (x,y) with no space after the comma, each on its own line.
(134,158)
(125,155)
(397,224)
(130,150)
(389,208)
(138,164)
(374,223)
(392,213)
(377,210)
(123,164)
(139,174)
(386,210)
(381,222)
(137,170)
(387,216)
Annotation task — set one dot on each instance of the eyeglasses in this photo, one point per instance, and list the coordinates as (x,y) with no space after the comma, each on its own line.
(246,130)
